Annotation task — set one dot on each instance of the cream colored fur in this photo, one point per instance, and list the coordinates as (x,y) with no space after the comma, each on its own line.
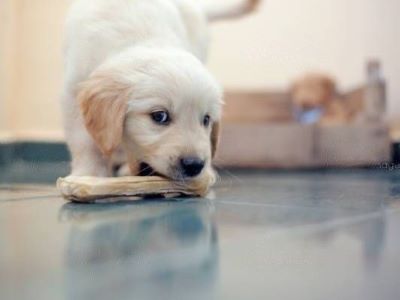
(127,58)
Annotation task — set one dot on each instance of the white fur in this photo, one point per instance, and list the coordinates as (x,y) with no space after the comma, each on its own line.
(156,47)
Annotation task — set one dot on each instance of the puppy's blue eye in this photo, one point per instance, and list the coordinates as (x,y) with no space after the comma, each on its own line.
(206,121)
(161,117)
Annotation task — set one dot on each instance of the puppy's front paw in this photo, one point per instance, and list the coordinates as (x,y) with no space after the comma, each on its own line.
(123,171)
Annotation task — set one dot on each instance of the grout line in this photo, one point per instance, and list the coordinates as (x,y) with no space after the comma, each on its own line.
(276,205)
(29,198)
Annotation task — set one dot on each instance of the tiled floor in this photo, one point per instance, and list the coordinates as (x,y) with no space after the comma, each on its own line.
(265,235)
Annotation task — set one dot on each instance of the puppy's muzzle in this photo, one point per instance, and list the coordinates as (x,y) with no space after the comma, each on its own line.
(191,166)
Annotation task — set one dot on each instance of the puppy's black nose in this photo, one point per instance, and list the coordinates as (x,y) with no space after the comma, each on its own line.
(192,166)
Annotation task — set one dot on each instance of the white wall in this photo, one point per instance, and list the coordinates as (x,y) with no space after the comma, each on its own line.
(7,39)
(31,67)
(288,37)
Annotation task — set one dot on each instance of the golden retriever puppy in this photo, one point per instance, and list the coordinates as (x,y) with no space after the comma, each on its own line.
(315,99)
(136,84)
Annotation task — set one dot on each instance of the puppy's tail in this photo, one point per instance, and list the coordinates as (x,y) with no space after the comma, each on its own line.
(233,10)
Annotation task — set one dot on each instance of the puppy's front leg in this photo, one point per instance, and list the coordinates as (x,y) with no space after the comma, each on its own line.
(88,161)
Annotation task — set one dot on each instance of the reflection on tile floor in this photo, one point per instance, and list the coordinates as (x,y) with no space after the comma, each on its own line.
(266,235)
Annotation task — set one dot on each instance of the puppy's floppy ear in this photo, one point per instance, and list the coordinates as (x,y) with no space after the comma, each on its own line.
(215,131)
(103,103)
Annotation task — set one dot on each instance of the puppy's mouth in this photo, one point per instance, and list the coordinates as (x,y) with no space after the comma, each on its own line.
(146,170)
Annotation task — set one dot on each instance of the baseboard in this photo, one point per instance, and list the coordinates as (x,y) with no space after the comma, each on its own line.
(33,152)
(57,152)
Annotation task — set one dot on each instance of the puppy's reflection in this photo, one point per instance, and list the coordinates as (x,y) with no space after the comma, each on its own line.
(146,250)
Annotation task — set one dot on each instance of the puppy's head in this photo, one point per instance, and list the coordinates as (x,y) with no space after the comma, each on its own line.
(312,91)
(163,107)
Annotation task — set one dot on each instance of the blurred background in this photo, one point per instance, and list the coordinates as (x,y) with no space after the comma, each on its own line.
(267,50)
(252,57)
